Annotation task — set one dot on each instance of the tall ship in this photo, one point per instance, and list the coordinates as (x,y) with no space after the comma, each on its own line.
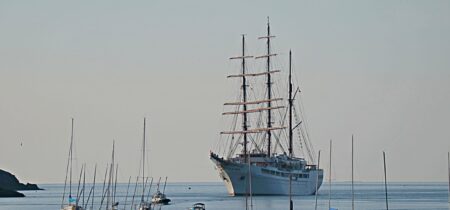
(259,153)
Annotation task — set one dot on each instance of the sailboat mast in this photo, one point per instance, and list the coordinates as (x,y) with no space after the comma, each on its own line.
(78,188)
(71,161)
(353,190)
(126,196)
(159,181)
(69,164)
(329,179)
(84,185)
(93,187)
(385,181)
(109,197)
(149,190)
(104,184)
(317,179)
(269,92)
(143,163)
(115,187)
(165,182)
(244,97)
(290,103)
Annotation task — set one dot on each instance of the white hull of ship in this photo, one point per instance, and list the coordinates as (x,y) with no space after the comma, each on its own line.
(235,176)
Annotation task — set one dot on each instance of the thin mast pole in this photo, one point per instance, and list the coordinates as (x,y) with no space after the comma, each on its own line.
(109,198)
(149,190)
(78,189)
(126,196)
(108,188)
(67,169)
(448,159)
(93,187)
(159,181)
(90,193)
(115,187)
(84,185)
(291,205)
(165,182)
(143,164)
(146,180)
(269,92)
(353,190)
(317,178)
(71,161)
(385,181)
(113,164)
(329,179)
(103,188)
(134,194)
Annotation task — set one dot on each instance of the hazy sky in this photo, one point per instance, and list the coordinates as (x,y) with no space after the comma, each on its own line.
(376,69)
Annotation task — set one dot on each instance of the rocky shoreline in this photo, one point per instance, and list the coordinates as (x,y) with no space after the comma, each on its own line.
(9,185)
(10,194)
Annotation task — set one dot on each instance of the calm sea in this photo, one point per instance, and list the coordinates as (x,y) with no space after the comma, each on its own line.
(368,196)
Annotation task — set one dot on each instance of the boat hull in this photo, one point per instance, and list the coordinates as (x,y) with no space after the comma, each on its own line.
(162,201)
(235,177)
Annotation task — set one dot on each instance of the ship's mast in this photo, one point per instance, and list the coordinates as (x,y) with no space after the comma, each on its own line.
(290,100)
(244,97)
(269,98)
(245,131)
(291,206)
(269,92)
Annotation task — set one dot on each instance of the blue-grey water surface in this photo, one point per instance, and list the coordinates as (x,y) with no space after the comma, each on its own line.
(407,196)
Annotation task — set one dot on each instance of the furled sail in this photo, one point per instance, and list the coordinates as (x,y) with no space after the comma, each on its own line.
(253,74)
(257,130)
(253,102)
(265,56)
(241,57)
(254,110)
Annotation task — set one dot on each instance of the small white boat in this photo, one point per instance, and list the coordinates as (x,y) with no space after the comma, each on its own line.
(198,206)
(160,198)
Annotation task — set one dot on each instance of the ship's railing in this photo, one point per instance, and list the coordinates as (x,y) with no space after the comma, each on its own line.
(285,174)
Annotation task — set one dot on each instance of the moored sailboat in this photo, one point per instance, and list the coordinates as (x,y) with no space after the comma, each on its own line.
(72,202)
(144,205)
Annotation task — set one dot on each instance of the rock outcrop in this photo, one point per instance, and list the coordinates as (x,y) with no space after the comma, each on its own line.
(9,184)
(10,193)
